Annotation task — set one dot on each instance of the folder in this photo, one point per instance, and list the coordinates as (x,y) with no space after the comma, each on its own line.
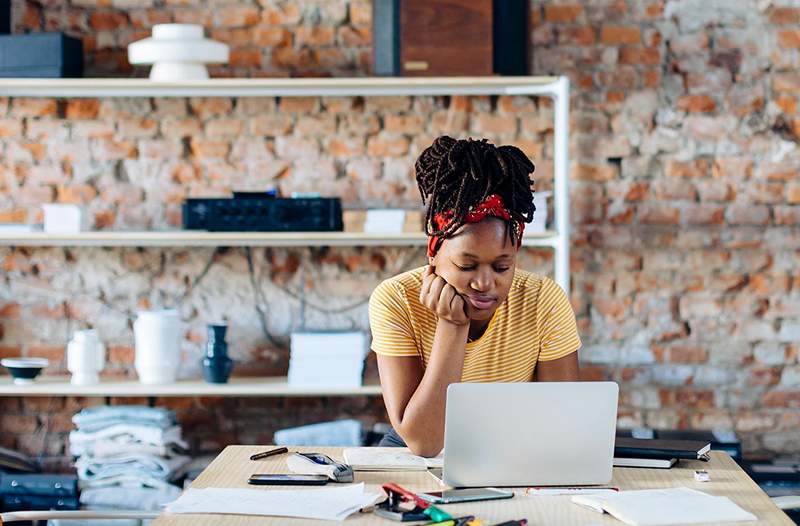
(661,448)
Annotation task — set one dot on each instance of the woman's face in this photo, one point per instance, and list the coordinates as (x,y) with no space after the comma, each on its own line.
(479,261)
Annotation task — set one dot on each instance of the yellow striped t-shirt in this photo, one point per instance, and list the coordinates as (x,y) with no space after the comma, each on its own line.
(535,323)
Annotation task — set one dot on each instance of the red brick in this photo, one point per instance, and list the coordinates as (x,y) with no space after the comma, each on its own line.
(748,214)
(589,172)
(387,146)
(314,35)
(355,36)
(121,354)
(640,55)
(236,16)
(652,78)
(789,38)
(271,36)
(613,35)
(562,14)
(99,20)
(104,219)
(659,214)
(696,168)
(788,82)
(785,16)
(360,13)
(76,193)
(704,214)
(33,107)
(732,167)
(654,10)
(783,399)
(82,108)
(54,353)
(13,215)
(285,15)
(579,36)
(245,58)
(787,104)
(697,103)
(299,104)
(209,149)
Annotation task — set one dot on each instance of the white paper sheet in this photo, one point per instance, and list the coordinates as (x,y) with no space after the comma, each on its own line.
(666,507)
(334,504)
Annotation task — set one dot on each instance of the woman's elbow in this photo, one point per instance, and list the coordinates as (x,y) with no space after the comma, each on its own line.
(422,446)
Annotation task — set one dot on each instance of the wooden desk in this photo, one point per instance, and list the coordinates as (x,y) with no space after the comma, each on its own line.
(233,466)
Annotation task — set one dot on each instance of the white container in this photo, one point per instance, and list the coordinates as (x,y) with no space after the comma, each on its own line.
(539,223)
(327,359)
(86,357)
(178,52)
(157,336)
(64,219)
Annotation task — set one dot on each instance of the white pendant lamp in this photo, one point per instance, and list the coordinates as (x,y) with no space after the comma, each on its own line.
(177,52)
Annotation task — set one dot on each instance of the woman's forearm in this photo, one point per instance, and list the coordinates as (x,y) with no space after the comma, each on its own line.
(422,425)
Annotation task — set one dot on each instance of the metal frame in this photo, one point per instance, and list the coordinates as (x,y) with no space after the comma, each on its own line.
(556,88)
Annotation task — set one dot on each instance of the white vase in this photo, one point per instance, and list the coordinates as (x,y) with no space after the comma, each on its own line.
(177,52)
(86,357)
(157,336)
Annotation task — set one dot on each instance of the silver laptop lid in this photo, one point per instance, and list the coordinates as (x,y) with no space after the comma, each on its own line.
(525,434)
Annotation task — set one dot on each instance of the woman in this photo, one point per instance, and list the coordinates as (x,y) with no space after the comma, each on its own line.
(469,315)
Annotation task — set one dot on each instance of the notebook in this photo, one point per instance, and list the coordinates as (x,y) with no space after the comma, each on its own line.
(388,459)
(657,507)
(625,447)
(660,463)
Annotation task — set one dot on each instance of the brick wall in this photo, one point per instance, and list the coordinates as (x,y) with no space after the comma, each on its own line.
(684,202)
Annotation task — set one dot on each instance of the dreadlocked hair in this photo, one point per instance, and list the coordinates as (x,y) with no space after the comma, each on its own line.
(455,175)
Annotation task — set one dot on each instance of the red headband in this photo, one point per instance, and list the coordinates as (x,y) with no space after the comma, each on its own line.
(492,206)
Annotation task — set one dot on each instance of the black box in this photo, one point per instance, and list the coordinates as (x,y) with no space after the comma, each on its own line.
(263,214)
(41,55)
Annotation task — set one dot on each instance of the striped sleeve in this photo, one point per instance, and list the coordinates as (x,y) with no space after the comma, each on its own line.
(558,330)
(390,322)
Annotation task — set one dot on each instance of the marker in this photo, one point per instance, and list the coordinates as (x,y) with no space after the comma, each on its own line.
(265,454)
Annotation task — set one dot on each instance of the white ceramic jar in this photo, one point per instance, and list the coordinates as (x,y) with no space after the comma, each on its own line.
(86,357)
(157,336)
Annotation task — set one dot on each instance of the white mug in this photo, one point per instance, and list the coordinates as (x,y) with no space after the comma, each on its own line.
(157,336)
(86,357)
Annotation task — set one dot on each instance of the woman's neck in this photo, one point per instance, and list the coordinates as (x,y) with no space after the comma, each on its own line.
(476,329)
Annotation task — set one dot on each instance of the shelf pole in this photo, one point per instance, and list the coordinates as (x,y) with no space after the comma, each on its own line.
(561,183)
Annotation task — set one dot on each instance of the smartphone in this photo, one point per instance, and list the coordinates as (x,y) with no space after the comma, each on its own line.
(452,496)
(269,479)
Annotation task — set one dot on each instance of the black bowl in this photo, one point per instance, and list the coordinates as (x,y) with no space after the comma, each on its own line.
(24,370)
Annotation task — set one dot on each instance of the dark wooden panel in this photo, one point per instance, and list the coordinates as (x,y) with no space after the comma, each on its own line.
(445,37)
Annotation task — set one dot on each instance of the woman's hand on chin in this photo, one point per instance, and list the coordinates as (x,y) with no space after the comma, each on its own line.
(442,298)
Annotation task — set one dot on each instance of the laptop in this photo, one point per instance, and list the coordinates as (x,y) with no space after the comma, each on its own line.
(529,434)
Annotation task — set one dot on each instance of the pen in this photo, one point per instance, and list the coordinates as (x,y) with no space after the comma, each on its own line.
(521,522)
(265,454)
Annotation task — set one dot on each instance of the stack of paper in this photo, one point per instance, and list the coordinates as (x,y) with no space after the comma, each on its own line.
(333,504)
(388,459)
(327,359)
(658,507)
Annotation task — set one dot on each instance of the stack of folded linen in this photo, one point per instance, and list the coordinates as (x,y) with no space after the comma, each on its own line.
(133,447)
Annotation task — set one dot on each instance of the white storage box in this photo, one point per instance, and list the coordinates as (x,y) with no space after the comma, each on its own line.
(327,359)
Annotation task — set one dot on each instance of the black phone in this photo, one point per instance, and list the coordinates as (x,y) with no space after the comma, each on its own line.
(452,496)
(269,479)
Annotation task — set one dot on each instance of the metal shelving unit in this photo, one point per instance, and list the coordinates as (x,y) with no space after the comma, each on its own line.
(556,88)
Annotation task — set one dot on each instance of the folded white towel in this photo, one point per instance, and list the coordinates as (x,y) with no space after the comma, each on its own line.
(146,434)
(89,468)
(146,499)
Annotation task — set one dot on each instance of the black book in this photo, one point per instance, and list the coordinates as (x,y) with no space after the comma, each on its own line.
(661,448)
